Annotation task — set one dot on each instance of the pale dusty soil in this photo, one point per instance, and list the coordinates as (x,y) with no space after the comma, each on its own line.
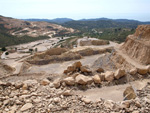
(114,93)
(58,68)
(112,44)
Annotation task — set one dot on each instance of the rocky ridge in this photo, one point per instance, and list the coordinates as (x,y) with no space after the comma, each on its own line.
(137,46)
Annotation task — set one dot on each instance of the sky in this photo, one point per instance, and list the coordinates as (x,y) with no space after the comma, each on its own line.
(76,9)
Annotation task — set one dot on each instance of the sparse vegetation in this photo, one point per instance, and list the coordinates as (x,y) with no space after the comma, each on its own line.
(3,49)
(9,40)
(6,53)
(68,43)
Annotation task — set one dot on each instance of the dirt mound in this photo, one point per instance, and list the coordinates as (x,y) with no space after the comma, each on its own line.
(111,62)
(48,53)
(56,58)
(5,70)
(99,42)
(137,46)
(89,51)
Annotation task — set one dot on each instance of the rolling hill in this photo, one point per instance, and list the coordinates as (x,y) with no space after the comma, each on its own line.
(15,31)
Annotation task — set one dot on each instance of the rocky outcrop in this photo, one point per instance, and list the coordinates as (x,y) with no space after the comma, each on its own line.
(85,69)
(133,71)
(111,62)
(142,71)
(77,67)
(109,76)
(81,79)
(5,70)
(129,93)
(119,73)
(45,82)
(137,46)
(96,79)
(69,81)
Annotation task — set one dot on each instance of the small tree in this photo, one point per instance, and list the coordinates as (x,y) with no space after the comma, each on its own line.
(6,53)
(36,49)
(31,50)
(15,49)
(61,46)
(4,49)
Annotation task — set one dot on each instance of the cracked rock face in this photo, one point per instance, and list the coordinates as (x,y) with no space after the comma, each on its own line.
(137,46)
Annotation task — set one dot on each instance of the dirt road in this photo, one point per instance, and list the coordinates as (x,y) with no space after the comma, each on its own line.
(114,93)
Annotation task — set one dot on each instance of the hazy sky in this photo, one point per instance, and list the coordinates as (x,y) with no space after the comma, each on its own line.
(76,9)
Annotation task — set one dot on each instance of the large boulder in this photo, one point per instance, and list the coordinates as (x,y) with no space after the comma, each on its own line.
(5,83)
(109,104)
(31,82)
(102,76)
(85,69)
(81,79)
(67,93)
(18,85)
(142,71)
(71,69)
(45,82)
(56,83)
(100,70)
(86,100)
(129,93)
(119,73)
(148,67)
(77,64)
(96,79)
(69,81)
(133,71)
(109,76)
(26,107)
(125,104)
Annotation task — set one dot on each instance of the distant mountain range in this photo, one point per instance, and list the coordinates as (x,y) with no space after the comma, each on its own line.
(15,31)
(64,20)
(56,20)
